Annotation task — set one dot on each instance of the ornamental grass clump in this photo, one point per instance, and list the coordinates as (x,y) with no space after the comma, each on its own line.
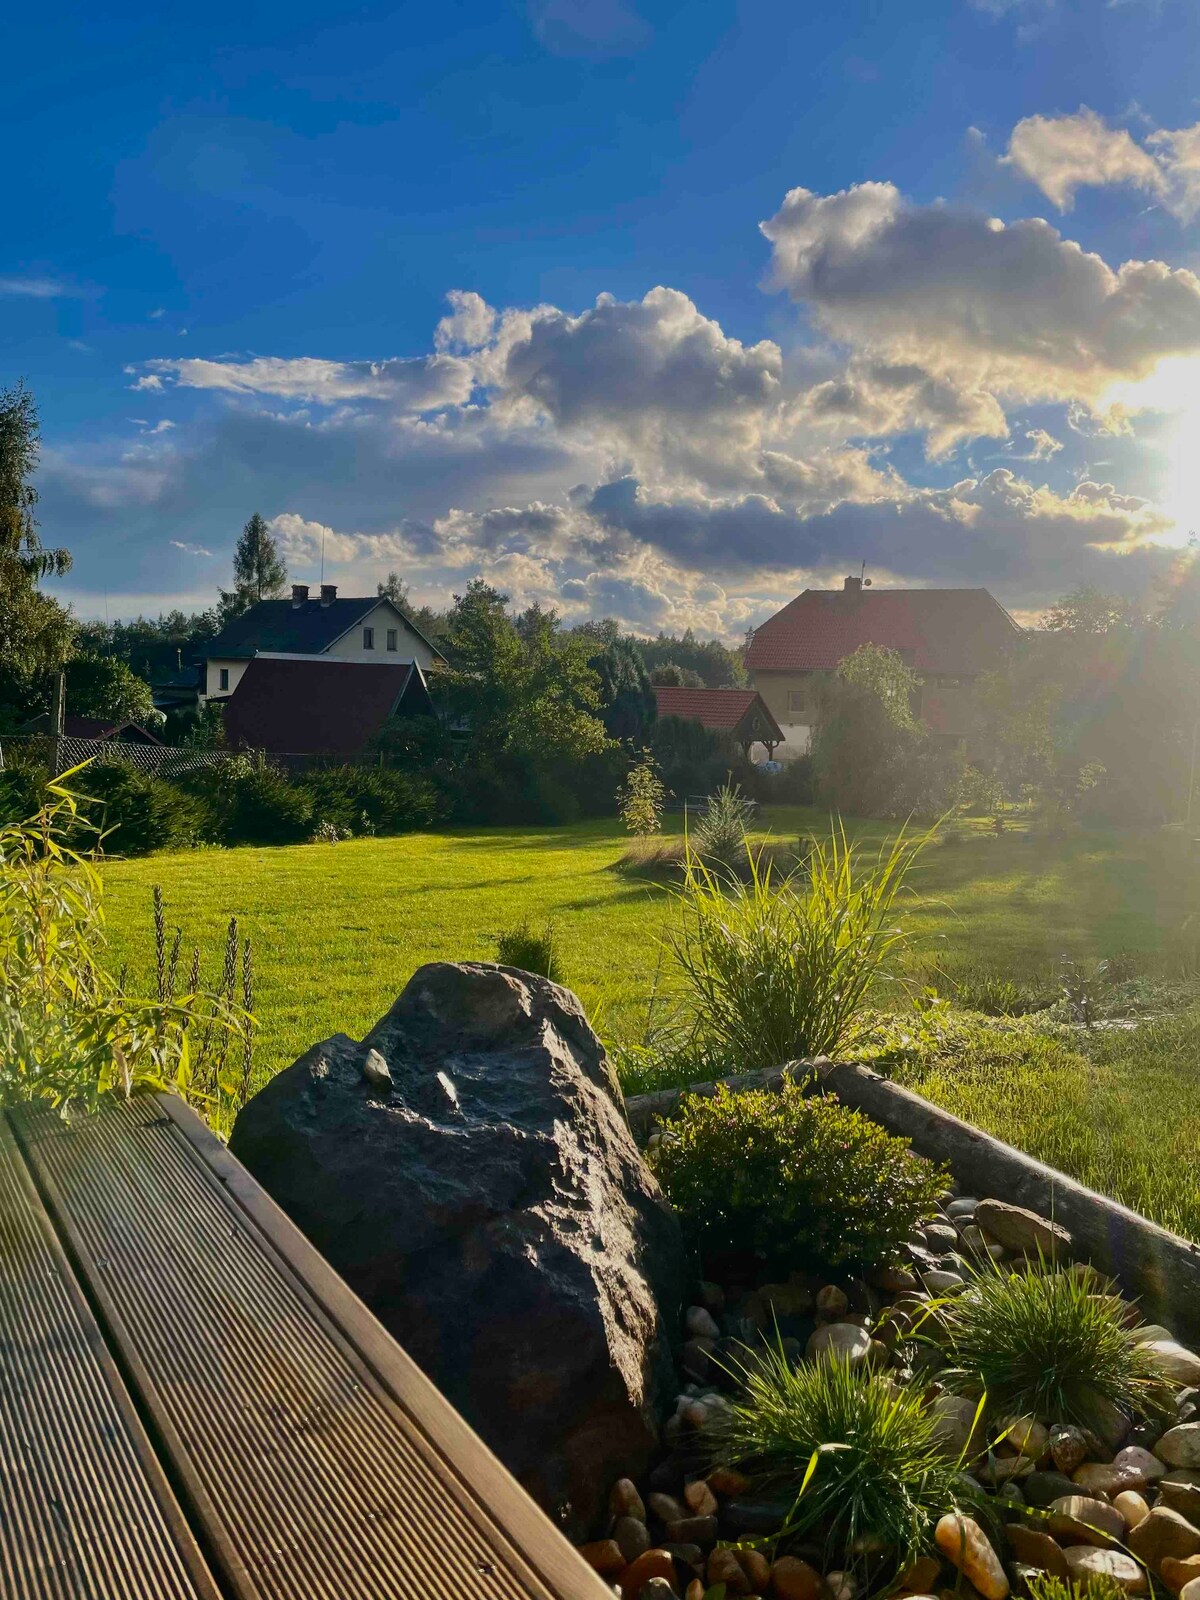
(531,950)
(776,968)
(1043,1343)
(69,1033)
(856,1457)
(793,1178)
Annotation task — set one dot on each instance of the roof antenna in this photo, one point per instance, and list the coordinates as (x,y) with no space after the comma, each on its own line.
(322,553)
(864,581)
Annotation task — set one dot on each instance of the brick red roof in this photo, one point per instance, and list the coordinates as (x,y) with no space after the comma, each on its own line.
(722,710)
(959,632)
(318,707)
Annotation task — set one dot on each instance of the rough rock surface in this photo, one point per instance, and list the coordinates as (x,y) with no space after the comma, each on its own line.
(490,1206)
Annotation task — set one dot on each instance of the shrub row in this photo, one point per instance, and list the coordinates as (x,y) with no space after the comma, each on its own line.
(237,801)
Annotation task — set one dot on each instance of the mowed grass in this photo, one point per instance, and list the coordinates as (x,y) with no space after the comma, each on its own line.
(339,929)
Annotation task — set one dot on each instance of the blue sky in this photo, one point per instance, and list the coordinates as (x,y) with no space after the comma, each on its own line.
(233,232)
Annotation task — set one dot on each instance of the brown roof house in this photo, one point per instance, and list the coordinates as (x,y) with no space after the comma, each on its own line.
(740,713)
(293,705)
(949,637)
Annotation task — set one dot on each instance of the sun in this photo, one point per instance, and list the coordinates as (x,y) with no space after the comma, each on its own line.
(1172,389)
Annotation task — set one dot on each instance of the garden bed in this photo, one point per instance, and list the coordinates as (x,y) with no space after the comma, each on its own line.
(987,1409)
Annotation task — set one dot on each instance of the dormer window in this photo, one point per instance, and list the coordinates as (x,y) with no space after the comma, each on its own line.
(391,639)
(368,638)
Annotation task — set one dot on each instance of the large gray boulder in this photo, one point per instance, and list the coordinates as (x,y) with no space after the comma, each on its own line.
(468,1169)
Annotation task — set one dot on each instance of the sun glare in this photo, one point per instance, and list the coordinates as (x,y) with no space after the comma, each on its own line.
(1173,388)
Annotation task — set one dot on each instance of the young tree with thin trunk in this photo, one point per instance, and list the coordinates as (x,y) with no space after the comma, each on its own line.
(259,571)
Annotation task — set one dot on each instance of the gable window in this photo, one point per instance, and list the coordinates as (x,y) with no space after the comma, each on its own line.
(368,638)
(391,638)
(224,677)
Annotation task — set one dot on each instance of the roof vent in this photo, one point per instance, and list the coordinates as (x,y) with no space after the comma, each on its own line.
(852,585)
(328,593)
(299,593)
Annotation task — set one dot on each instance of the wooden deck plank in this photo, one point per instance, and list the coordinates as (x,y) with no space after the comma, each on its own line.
(317,1461)
(85,1509)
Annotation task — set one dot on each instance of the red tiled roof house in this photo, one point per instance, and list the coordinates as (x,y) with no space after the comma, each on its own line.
(947,636)
(740,713)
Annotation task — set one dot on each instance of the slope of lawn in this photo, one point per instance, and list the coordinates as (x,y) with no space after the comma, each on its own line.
(338,929)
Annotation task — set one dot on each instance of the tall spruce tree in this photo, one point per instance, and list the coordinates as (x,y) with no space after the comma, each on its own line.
(259,572)
(35,631)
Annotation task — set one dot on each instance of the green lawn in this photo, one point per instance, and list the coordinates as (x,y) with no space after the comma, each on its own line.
(339,929)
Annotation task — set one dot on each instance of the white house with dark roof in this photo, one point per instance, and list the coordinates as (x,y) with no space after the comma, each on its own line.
(370,630)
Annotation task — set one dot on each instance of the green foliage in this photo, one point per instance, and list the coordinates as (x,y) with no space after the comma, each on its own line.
(35,631)
(672,676)
(882,672)
(626,698)
(251,801)
(995,995)
(67,1031)
(777,969)
(790,1176)
(718,833)
(22,786)
(259,571)
(717,666)
(103,686)
(370,799)
(855,1454)
(137,812)
(531,950)
(1095,1586)
(1043,1343)
(641,797)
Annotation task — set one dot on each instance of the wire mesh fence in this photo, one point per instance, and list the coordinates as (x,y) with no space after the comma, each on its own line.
(59,754)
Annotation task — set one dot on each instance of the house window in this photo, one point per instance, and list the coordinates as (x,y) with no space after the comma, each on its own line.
(224,677)
(799,703)
(368,638)
(391,638)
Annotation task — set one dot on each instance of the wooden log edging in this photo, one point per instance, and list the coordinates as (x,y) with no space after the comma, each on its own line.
(1158,1268)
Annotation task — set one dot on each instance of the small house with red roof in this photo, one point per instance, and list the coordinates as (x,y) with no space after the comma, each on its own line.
(314,706)
(739,713)
(949,637)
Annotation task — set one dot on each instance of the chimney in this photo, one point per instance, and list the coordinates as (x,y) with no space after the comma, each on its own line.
(852,585)
(299,593)
(328,593)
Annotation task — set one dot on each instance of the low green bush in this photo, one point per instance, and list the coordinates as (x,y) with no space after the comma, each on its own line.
(370,799)
(252,802)
(531,950)
(793,1177)
(137,812)
(994,995)
(1043,1343)
(22,785)
(718,833)
(855,1455)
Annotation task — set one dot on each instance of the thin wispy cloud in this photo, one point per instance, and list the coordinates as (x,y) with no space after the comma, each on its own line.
(37,288)
(190,549)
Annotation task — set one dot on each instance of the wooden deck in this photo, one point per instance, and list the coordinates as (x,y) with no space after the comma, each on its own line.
(193,1405)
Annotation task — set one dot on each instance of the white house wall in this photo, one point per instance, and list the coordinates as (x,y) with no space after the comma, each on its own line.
(409,647)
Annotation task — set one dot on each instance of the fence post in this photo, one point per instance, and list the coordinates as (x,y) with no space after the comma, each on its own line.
(59,720)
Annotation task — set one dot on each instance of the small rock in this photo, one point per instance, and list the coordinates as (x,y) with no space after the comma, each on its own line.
(956,1419)
(633,1536)
(697,1358)
(1138,1466)
(695,1590)
(692,1530)
(1112,1425)
(1180,1495)
(751,1519)
(1100,1478)
(695,1413)
(701,1501)
(666,1507)
(376,1071)
(1043,1488)
(1179,1364)
(1086,1562)
(757,1569)
(964,1206)
(603,1556)
(840,1341)
(625,1501)
(1037,1549)
(920,1577)
(1026,1435)
(653,1564)
(727,1481)
(963,1542)
(1018,1229)
(1001,1469)
(701,1323)
(841,1585)
(1149,1331)
(1132,1507)
(655,1589)
(940,1236)
(711,1296)
(1180,1446)
(1068,1446)
(1163,1533)
(724,1567)
(973,1240)
(893,1280)
(793,1579)
(832,1302)
(1178,1572)
(689,1555)
(1078,1516)
(1190,1591)
(939,1282)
